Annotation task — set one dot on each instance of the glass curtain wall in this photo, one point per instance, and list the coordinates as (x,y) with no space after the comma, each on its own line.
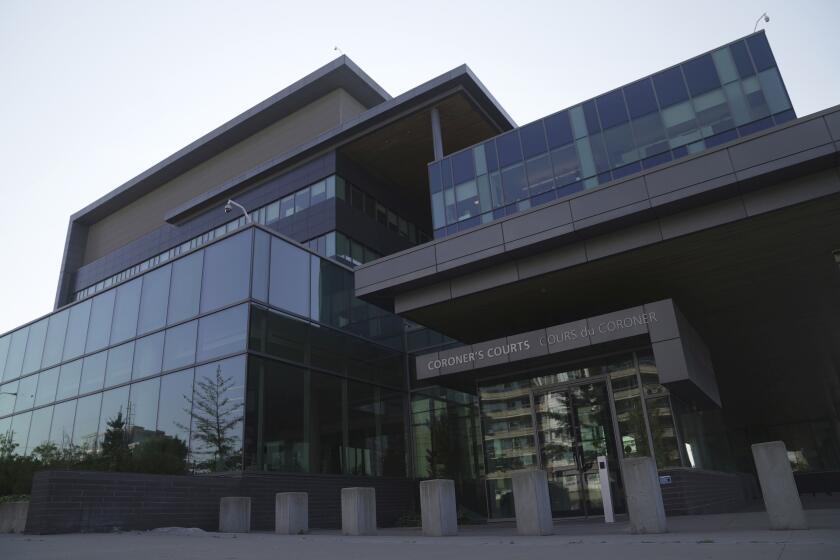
(561,421)
(709,100)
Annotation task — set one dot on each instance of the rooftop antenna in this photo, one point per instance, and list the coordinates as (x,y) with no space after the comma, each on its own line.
(764,17)
(339,51)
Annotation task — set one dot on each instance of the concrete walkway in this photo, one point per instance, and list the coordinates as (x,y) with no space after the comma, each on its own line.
(740,536)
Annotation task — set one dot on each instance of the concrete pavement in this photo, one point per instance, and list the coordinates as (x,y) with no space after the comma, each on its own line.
(741,536)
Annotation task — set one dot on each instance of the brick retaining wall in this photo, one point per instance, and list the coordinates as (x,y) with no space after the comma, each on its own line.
(87,501)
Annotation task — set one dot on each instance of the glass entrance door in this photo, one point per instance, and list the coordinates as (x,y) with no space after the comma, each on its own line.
(574,427)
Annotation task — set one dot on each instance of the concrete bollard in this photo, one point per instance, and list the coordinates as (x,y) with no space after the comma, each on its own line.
(644,497)
(358,511)
(291,513)
(437,508)
(531,502)
(235,515)
(781,497)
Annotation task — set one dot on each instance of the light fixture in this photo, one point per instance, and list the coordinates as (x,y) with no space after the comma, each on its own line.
(763,16)
(229,208)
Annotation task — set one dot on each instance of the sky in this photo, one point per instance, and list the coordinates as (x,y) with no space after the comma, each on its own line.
(94,93)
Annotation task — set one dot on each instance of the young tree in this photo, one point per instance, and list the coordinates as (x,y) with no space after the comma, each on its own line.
(116,455)
(214,418)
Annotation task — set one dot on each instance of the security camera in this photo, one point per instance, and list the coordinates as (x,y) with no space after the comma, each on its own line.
(766,18)
(228,208)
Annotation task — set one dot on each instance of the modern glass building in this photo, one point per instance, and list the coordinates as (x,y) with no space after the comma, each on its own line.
(422,289)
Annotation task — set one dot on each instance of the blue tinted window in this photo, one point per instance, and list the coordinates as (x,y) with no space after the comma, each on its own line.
(153,298)
(289,277)
(533,139)
(591,116)
(784,116)
(148,353)
(446,172)
(68,380)
(225,279)
(87,421)
(513,183)
(56,331)
(742,59)
(179,347)
(118,369)
(435,184)
(184,289)
(62,424)
(4,351)
(640,98)
(17,348)
(114,403)
(175,390)
(47,385)
(659,159)
(143,406)
(721,138)
(760,50)
(566,165)
(627,170)
(462,167)
(35,346)
(93,373)
(558,129)
(222,333)
(259,287)
(670,87)
(510,151)
(490,155)
(752,127)
(26,393)
(101,313)
(125,311)
(539,171)
(701,75)
(611,108)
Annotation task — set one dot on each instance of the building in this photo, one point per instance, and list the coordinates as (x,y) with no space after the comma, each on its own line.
(423,289)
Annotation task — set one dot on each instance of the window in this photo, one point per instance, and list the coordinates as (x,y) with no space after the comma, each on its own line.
(4,351)
(143,408)
(760,51)
(640,98)
(7,398)
(680,124)
(35,347)
(87,422)
(287,206)
(774,91)
(318,193)
(183,290)
(226,272)
(179,348)
(61,431)
(514,184)
(54,344)
(175,394)
(93,373)
(462,166)
(301,200)
(289,287)
(670,87)
(466,200)
(227,379)
(26,393)
(725,65)
(126,310)
(148,354)
(118,369)
(701,75)
(153,300)
(222,333)
(712,112)
(19,430)
(259,287)
(510,151)
(114,405)
(68,380)
(47,385)
(17,349)
(611,109)
(99,329)
(533,139)
(39,429)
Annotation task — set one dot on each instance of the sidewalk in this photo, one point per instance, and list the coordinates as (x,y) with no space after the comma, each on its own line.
(741,536)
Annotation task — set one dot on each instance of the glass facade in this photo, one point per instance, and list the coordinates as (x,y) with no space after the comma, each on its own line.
(171,345)
(709,100)
(334,244)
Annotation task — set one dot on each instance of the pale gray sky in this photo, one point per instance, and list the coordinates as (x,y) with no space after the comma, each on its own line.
(94,93)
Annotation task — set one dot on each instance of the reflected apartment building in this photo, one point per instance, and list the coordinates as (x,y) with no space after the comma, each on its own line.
(423,289)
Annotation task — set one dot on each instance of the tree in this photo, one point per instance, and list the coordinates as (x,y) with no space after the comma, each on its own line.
(214,417)
(115,453)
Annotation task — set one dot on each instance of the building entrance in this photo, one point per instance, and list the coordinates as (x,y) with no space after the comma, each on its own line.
(574,426)
(561,419)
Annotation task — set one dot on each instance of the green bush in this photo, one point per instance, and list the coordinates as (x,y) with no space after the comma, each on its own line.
(157,454)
